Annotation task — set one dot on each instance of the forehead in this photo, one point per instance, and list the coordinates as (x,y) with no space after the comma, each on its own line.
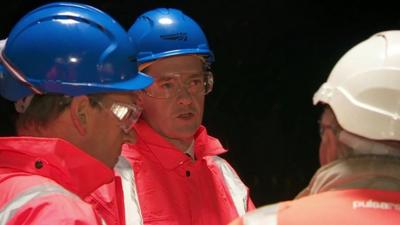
(176,64)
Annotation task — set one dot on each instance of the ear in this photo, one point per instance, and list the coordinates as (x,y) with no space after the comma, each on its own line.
(79,111)
(328,147)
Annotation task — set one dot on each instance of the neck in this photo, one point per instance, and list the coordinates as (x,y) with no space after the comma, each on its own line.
(60,128)
(181,144)
(39,131)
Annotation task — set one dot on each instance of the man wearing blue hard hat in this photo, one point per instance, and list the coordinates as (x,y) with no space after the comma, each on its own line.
(173,174)
(71,72)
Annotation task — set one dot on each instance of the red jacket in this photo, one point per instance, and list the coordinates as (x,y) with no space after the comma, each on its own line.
(354,206)
(168,187)
(43,181)
(108,201)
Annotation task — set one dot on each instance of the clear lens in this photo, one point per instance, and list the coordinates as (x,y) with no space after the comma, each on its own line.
(171,84)
(127,114)
(119,111)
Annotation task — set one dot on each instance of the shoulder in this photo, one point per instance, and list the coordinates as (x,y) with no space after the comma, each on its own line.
(266,215)
(220,163)
(47,204)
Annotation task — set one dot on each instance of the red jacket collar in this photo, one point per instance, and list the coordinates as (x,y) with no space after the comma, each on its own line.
(149,141)
(62,162)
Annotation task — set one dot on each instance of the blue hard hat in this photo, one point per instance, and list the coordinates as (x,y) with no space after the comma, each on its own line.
(68,48)
(165,32)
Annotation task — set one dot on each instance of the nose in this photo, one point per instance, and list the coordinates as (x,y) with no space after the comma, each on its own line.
(184,97)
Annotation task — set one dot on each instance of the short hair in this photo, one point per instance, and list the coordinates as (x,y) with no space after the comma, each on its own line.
(45,108)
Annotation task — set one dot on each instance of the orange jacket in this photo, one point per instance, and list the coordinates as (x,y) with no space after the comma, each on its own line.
(166,186)
(43,181)
(353,206)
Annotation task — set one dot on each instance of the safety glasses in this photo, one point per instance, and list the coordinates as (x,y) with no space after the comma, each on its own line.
(126,114)
(169,85)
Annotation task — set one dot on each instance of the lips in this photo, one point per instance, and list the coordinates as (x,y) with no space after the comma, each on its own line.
(186,116)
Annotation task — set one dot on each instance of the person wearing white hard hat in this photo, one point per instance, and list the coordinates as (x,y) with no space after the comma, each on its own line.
(359,178)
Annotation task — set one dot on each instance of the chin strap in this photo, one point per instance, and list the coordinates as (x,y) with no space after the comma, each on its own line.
(16,73)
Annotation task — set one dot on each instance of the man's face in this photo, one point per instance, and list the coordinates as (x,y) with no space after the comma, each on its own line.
(108,131)
(179,116)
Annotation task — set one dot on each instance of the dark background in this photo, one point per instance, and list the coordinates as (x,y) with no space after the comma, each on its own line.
(271,56)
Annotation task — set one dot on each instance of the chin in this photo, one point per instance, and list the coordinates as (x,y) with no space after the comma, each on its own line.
(186,132)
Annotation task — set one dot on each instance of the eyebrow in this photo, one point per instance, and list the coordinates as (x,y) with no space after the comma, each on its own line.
(197,74)
(169,76)
(164,78)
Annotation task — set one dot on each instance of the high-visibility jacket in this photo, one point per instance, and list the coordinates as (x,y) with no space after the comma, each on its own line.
(162,185)
(108,201)
(353,206)
(43,181)
(359,190)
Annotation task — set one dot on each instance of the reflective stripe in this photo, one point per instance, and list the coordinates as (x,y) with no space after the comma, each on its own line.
(103,222)
(7,213)
(266,215)
(133,214)
(237,189)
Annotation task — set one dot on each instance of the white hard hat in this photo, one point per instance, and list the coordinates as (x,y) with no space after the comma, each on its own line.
(363,88)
